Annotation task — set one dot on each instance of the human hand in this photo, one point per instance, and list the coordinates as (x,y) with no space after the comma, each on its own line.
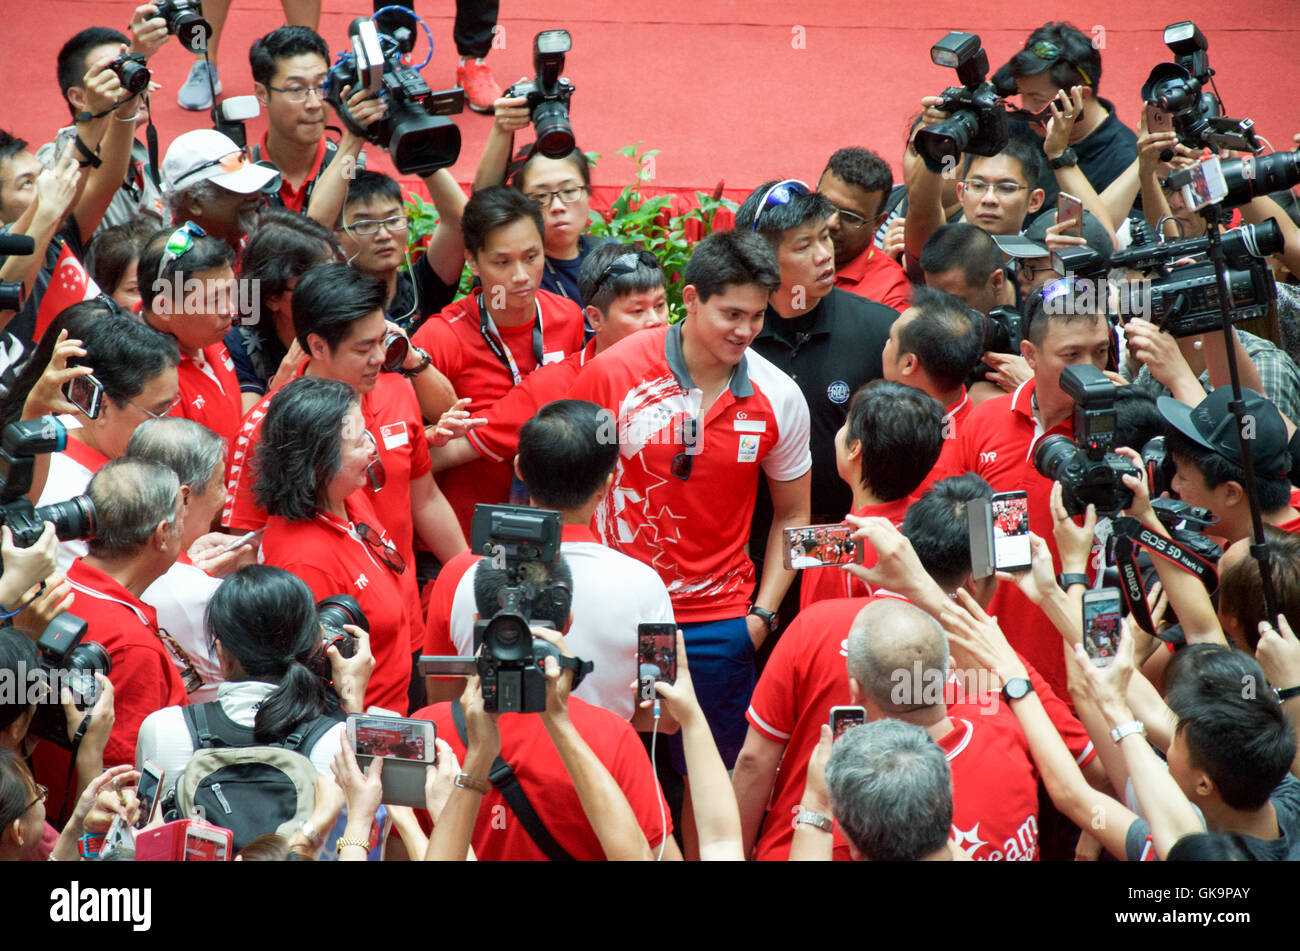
(484,739)
(1066,109)
(352,674)
(148,30)
(1039,582)
(679,696)
(440,780)
(1108,686)
(931,114)
(98,719)
(893,243)
(364,107)
(329,805)
(815,798)
(43,606)
(106,782)
(46,396)
(1073,541)
(103,88)
(1007,370)
(115,797)
(1158,350)
(294,358)
(1278,652)
(559,680)
(25,568)
(210,555)
(1151,147)
(56,188)
(978,640)
(363,791)
(453,424)
(511,113)
(1056,237)
(1140,508)
(897,568)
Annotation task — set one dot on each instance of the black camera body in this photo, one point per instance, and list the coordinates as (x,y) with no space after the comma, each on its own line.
(19,446)
(415,131)
(131,72)
(1002,331)
(185,22)
(1089,471)
(977,121)
(67,661)
(548,94)
(332,613)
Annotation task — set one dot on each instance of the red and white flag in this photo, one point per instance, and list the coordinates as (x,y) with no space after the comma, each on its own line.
(69,285)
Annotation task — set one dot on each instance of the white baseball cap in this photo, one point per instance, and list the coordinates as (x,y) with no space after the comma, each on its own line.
(207,155)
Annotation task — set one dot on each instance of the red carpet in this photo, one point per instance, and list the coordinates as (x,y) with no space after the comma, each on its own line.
(734,90)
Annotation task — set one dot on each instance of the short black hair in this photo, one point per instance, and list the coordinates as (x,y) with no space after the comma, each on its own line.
(1078,65)
(547,605)
(936,526)
(20,664)
(156,278)
(113,249)
(901,432)
(330,298)
(643,279)
(124,353)
(1070,300)
(775,220)
(72,64)
(946,336)
(1231,722)
(961,245)
(731,257)
(496,207)
(281,43)
(1274,492)
(1241,590)
(301,447)
(285,246)
(566,451)
(577,158)
(367,184)
(10,145)
(1033,167)
(862,168)
(1137,419)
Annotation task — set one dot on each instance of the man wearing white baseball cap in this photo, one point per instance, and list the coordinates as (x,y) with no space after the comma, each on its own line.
(207,179)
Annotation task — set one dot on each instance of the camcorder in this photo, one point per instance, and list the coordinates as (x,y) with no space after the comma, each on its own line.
(21,443)
(977,121)
(548,94)
(131,72)
(415,131)
(67,661)
(1089,470)
(185,22)
(523,542)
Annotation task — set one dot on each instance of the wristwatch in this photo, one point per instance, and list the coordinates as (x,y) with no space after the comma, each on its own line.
(1066,159)
(1016,689)
(1128,729)
(420,367)
(466,781)
(815,819)
(770,618)
(1286,693)
(1067,579)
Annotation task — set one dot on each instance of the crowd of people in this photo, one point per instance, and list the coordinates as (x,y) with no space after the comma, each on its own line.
(269,431)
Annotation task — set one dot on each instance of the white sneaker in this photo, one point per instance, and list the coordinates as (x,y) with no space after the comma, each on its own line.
(195,94)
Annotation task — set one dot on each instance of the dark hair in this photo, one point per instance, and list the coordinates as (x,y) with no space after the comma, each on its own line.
(367,184)
(936,526)
(493,208)
(544,606)
(946,336)
(330,298)
(301,446)
(131,497)
(961,245)
(271,847)
(156,278)
(16,784)
(113,249)
(565,453)
(19,662)
(1078,302)
(1241,592)
(775,220)
(1033,167)
(900,429)
(577,158)
(285,246)
(863,169)
(77,320)
(731,257)
(1078,65)
(1274,492)
(124,353)
(280,44)
(1210,847)
(643,279)
(10,145)
(1232,724)
(265,618)
(72,58)
(1137,420)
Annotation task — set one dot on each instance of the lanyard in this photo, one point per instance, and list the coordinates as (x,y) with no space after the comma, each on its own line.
(498,346)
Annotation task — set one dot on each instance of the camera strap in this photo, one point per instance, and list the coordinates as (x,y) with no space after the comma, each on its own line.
(503,778)
(1128,536)
(498,345)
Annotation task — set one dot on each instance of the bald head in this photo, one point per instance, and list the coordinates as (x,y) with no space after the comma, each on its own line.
(888,639)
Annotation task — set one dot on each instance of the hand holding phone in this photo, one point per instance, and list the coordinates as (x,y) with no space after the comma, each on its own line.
(407,747)
(843,718)
(1101,625)
(86,393)
(1069,208)
(816,546)
(656,655)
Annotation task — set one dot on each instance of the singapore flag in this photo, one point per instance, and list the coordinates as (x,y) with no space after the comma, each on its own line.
(69,285)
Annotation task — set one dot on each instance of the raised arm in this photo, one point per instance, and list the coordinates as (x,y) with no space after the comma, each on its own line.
(924,191)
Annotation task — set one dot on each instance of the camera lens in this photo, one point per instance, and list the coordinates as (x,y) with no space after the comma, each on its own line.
(941,145)
(74,518)
(421,144)
(508,639)
(191,29)
(133,76)
(339,609)
(554,134)
(396,347)
(1052,455)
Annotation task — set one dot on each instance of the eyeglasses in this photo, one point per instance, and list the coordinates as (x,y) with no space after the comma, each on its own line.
(375,472)
(684,461)
(367,226)
(1049,52)
(181,240)
(299,93)
(231,162)
(151,414)
(851,219)
(782,193)
(568,195)
(1027,271)
(978,187)
(627,263)
(386,551)
(41,793)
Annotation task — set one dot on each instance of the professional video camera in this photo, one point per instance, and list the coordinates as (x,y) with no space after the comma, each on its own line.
(548,94)
(185,22)
(1087,468)
(19,446)
(131,72)
(414,131)
(977,121)
(67,661)
(524,543)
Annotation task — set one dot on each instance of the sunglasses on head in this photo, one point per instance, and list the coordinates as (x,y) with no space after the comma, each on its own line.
(627,263)
(178,244)
(782,193)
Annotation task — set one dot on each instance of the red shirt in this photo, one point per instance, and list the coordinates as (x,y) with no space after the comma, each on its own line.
(327,553)
(526,746)
(456,342)
(437,632)
(144,677)
(821,584)
(295,198)
(1294,524)
(954,420)
(210,392)
(873,274)
(693,532)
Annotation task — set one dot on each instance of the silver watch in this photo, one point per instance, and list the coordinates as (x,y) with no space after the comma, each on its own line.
(814,819)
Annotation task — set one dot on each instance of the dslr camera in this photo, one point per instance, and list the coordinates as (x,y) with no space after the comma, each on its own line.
(67,661)
(332,613)
(185,22)
(415,131)
(131,72)
(548,94)
(1089,471)
(977,121)
(19,446)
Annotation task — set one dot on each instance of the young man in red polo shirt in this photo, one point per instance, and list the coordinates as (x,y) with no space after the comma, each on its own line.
(857,182)
(491,340)
(138,509)
(696,413)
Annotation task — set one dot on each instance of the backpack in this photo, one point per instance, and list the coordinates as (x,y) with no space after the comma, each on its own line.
(239,784)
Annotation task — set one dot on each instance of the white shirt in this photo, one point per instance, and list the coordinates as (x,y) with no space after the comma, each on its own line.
(612,594)
(67,479)
(181,599)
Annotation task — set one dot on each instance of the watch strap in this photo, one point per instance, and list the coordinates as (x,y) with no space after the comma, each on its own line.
(770,618)
(1066,159)
(419,368)
(1286,693)
(466,781)
(1128,729)
(1067,579)
(1017,689)
(815,819)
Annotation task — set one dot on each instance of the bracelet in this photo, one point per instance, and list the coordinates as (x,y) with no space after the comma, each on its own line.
(1286,693)
(1128,729)
(815,819)
(425,361)
(128,118)
(345,842)
(466,781)
(308,830)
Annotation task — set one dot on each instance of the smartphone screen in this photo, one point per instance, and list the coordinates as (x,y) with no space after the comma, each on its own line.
(86,393)
(1101,625)
(1069,208)
(394,737)
(151,777)
(656,656)
(1010,512)
(816,546)
(842,718)
(1207,185)
(203,846)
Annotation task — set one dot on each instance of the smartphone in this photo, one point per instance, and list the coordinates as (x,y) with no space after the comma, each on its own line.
(1158,120)
(62,142)
(206,843)
(816,546)
(1010,531)
(656,657)
(844,717)
(86,393)
(119,836)
(1101,625)
(151,778)
(407,746)
(1069,208)
(1207,185)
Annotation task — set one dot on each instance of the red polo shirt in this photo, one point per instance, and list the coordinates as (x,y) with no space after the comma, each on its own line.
(693,532)
(455,340)
(328,554)
(437,636)
(954,419)
(144,676)
(210,393)
(873,274)
(295,198)
(821,584)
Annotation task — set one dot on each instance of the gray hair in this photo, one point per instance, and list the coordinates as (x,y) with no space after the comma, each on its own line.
(204,192)
(891,791)
(898,654)
(131,496)
(189,449)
